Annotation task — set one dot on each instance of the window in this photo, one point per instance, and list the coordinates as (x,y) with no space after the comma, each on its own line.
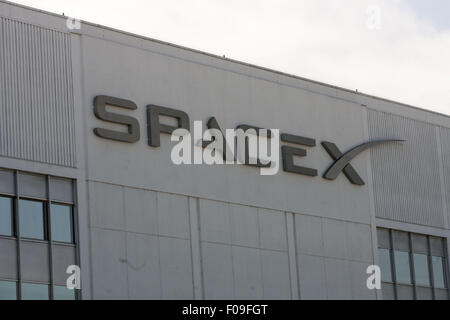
(61,222)
(34,291)
(37,224)
(31,219)
(421,271)
(402,267)
(413,266)
(6,225)
(438,272)
(8,290)
(385,265)
(63,293)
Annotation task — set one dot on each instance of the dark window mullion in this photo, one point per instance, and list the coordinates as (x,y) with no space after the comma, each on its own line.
(412,267)
(430,266)
(393,270)
(13,218)
(72,226)
(446,267)
(75,230)
(17,233)
(48,225)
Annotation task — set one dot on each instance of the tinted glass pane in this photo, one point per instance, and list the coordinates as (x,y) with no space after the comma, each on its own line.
(385,265)
(61,223)
(421,270)
(402,267)
(62,293)
(33,291)
(438,272)
(31,216)
(5,216)
(8,290)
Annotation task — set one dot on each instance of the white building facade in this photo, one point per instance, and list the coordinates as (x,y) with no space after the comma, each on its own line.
(84,186)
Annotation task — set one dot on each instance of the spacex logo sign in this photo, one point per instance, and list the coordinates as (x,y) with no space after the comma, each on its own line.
(249,139)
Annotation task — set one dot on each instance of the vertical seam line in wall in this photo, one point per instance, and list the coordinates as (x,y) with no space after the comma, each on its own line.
(202,278)
(16,93)
(32,82)
(441,176)
(261,269)
(10,86)
(125,235)
(191,247)
(260,248)
(86,168)
(293,261)
(46,94)
(197,279)
(231,249)
(59,102)
(159,246)
(370,187)
(323,259)
(54,90)
(71,97)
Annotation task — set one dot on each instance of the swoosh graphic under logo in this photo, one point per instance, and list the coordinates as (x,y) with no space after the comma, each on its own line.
(343,160)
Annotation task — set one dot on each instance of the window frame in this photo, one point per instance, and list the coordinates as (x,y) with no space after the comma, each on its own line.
(72,221)
(13,209)
(411,251)
(44,218)
(46,202)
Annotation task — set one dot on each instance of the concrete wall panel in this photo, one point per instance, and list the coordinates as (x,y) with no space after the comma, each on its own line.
(218,279)
(141,213)
(173,215)
(275,275)
(143,267)
(309,235)
(247,273)
(109,268)
(312,277)
(106,206)
(176,273)
(8,259)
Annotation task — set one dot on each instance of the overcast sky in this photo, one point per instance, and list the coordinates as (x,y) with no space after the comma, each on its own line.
(395,49)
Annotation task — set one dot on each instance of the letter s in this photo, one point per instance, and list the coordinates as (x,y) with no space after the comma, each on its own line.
(100,112)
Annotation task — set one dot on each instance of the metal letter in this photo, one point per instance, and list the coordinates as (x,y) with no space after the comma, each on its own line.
(154,127)
(100,112)
(258,164)
(289,153)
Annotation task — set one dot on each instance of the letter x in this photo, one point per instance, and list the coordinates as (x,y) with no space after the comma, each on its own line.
(348,170)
